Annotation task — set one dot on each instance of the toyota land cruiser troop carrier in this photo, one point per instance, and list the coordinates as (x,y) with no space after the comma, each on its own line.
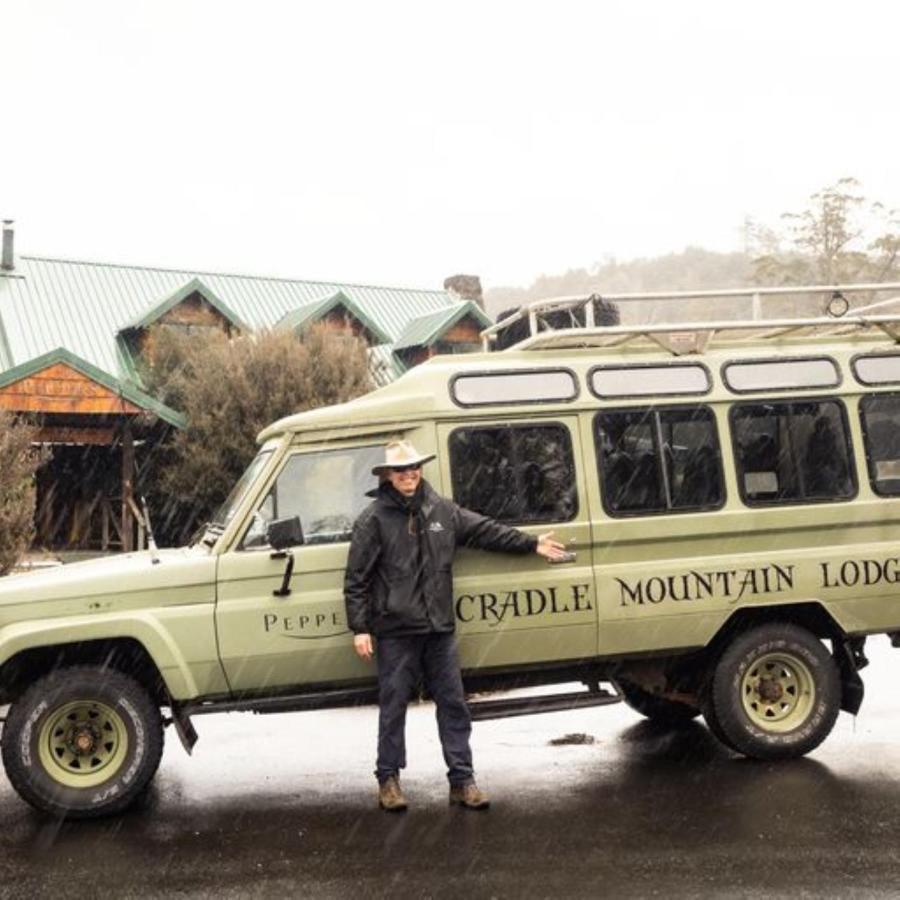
(729,491)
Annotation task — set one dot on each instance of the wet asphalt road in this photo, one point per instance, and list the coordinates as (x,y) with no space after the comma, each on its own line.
(273,806)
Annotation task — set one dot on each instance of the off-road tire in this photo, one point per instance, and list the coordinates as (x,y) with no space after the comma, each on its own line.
(657,709)
(111,722)
(776,693)
(712,723)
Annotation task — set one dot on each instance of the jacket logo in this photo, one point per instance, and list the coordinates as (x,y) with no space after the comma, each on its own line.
(435,526)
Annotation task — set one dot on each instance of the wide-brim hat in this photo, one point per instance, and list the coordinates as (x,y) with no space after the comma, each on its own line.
(401,453)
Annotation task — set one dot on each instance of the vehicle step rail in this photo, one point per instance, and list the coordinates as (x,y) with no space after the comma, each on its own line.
(507,707)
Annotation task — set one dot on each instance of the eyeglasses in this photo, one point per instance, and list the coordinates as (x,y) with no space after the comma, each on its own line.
(400,469)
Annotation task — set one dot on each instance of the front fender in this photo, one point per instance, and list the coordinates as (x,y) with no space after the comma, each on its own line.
(189,666)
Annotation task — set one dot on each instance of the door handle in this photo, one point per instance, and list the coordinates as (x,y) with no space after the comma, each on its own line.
(568,557)
(285,589)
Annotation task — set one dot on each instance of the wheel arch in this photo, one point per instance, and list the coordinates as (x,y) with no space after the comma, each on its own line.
(123,654)
(812,616)
(77,638)
(808,614)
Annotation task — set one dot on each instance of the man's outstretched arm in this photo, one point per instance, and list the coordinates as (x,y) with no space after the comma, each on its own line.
(475,530)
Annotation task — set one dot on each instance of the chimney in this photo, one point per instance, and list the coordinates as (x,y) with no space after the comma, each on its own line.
(7,261)
(466,287)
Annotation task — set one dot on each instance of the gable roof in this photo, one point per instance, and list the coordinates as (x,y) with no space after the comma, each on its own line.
(124,390)
(83,308)
(194,286)
(299,318)
(423,331)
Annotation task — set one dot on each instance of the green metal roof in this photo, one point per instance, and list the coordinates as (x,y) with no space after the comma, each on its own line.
(298,319)
(126,391)
(425,330)
(194,286)
(83,308)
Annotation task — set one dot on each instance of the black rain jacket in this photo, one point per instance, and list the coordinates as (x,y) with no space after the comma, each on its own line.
(398,579)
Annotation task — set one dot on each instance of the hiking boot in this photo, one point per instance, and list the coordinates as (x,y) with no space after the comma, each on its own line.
(469,796)
(390,797)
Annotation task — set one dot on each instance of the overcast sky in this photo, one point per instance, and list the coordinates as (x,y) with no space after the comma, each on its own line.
(400,142)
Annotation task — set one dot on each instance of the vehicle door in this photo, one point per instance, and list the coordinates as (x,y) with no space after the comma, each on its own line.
(659,524)
(524,472)
(268,638)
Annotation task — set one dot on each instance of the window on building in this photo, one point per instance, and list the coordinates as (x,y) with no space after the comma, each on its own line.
(515,473)
(658,460)
(792,451)
(445,347)
(326,490)
(880,415)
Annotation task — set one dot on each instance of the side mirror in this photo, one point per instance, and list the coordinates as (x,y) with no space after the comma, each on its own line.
(284,533)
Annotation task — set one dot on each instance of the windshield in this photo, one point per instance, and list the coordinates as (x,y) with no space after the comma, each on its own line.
(226,511)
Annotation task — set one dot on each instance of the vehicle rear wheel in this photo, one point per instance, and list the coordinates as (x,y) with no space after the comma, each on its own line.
(712,723)
(775,693)
(657,709)
(82,742)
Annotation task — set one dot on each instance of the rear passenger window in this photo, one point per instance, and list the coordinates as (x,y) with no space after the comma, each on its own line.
(880,416)
(656,460)
(515,473)
(792,452)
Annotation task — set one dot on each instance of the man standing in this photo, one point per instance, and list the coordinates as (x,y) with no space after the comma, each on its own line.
(399,590)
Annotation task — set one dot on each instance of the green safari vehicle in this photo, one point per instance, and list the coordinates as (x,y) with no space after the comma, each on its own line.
(729,491)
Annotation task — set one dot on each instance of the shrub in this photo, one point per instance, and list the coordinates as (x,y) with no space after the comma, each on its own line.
(229,390)
(19,460)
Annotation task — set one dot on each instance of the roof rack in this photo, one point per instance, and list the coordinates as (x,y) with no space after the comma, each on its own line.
(695,336)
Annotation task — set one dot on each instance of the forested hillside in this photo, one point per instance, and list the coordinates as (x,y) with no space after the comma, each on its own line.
(840,237)
(692,268)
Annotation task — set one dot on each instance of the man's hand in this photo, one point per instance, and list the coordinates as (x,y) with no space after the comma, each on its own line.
(362,644)
(550,549)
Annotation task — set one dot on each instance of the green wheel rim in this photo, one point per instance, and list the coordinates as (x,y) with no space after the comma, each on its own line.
(778,692)
(83,743)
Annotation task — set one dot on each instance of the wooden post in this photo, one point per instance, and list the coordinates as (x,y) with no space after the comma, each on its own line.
(127,487)
(104,527)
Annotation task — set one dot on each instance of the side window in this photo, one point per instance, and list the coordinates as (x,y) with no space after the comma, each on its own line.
(792,452)
(880,415)
(515,473)
(326,490)
(659,460)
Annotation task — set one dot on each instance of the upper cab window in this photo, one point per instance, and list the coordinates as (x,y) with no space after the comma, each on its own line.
(650,380)
(780,375)
(505,388)
(656,460)
(515,473)
(879,368)
(792,451)
(326,489)
(880,415)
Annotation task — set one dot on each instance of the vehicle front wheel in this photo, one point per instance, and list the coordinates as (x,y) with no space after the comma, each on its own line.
(657,709)
(82,742)
(775,693)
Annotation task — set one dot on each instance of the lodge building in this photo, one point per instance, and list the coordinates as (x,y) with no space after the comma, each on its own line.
(72,335)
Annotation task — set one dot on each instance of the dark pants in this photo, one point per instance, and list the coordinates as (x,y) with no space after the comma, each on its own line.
(403,663)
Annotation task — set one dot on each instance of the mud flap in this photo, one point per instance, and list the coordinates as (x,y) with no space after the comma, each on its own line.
(850,659)
(184,728)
